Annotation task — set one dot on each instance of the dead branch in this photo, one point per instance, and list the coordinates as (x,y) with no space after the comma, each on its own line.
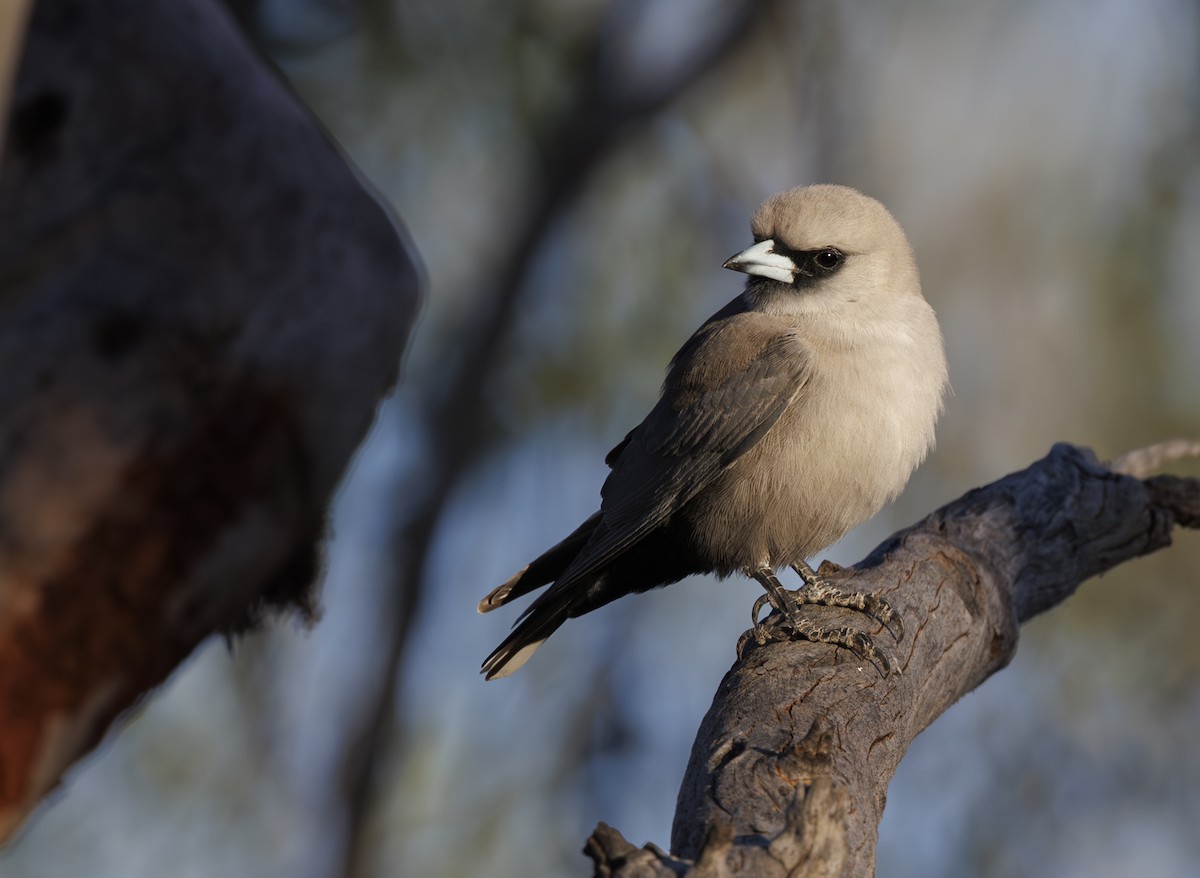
(789,771)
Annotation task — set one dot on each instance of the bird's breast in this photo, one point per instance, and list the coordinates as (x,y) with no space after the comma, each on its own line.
(840,452)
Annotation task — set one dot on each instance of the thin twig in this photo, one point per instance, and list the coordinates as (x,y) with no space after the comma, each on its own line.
(1141,462)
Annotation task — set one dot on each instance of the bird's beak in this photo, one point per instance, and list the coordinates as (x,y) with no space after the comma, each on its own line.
(761,259)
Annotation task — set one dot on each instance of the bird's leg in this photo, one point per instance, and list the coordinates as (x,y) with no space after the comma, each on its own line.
(789,608)
(818,591)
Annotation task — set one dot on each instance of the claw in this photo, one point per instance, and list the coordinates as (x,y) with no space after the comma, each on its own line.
(819,591)
(791,623)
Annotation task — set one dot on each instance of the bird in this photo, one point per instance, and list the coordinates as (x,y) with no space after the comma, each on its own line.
(793,414)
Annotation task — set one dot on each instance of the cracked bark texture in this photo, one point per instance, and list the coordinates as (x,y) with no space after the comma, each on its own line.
(789,770)
(200,308)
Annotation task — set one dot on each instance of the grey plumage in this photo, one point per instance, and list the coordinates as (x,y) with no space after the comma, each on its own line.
(793,414)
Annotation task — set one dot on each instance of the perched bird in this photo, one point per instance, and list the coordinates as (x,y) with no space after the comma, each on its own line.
(792,415)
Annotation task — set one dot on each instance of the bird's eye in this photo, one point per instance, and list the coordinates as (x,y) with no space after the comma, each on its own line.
(828,259)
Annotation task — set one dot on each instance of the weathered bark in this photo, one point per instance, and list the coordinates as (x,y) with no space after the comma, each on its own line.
(200,308)
(790,768)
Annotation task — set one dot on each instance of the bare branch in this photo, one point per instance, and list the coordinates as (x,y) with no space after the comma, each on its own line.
(1141,462)
(793,721)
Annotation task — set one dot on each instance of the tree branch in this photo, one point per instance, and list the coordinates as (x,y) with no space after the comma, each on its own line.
(790,767)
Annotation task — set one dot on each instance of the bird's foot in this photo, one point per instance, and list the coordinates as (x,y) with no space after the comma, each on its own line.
(779,628)
(817,590)
(791,623)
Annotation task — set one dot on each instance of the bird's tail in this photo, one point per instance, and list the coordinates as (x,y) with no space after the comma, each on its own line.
(544,570)
(540,621)
(544,615)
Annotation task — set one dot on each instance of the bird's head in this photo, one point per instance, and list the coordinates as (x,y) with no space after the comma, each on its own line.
(823,248)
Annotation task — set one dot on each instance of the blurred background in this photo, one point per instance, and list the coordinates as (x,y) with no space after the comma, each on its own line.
(574,173)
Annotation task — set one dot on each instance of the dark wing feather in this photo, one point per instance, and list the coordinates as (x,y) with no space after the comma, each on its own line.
(610,459)
(716,405)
